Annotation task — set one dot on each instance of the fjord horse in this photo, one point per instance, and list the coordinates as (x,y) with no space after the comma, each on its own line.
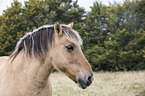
(26,72)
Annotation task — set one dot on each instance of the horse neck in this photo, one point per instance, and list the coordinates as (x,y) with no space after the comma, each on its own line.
(36,71)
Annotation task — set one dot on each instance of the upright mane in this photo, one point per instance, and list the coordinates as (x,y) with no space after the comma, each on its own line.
(37,42)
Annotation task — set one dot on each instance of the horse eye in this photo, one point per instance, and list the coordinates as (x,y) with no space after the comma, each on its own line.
(70,48)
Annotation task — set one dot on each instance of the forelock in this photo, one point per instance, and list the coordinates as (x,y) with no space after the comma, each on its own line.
(72,35)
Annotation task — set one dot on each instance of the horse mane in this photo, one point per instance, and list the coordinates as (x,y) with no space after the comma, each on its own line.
(37,42)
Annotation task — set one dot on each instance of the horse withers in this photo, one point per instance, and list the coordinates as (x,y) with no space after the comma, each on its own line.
(26,72)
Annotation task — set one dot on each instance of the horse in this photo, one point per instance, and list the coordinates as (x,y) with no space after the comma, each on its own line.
(27,70)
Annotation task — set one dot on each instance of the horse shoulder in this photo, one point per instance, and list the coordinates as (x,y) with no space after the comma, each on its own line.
(3,59)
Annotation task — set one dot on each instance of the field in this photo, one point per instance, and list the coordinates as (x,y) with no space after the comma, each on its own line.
(104,84)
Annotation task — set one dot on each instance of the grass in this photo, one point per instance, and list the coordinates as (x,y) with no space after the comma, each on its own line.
(104,84)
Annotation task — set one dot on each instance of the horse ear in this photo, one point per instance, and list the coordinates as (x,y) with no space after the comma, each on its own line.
(58,28)
(71,24)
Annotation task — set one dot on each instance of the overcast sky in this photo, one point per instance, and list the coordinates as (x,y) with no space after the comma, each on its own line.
(83,3)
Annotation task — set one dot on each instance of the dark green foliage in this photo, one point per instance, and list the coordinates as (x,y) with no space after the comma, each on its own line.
(114,35)
(66,10)
(18,20)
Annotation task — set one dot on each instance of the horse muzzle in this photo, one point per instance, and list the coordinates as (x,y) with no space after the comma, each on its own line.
(84,83)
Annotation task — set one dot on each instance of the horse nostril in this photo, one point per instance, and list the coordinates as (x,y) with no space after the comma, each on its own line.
(89,79)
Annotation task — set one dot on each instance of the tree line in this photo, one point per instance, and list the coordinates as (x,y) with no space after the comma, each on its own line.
(113,36)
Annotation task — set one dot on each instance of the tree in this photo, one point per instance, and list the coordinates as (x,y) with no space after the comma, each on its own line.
(16,21)
(37,13)
(66,10)
(114,39)
(113,35)
(9,23)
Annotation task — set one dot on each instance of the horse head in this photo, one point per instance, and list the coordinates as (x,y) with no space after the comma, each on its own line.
(66,55)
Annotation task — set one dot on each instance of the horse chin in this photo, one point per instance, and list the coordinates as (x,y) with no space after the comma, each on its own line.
(82,86)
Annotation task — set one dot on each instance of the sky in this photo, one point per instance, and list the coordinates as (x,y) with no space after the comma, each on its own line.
(82,3)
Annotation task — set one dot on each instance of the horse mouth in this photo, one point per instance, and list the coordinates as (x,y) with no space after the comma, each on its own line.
(82,86)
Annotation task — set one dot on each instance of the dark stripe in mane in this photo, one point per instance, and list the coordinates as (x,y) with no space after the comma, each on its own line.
(39,41)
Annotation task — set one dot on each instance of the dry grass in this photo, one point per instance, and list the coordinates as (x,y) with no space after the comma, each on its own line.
(104,84)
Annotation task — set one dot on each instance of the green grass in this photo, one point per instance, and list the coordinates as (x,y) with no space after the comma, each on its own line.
(104,84)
